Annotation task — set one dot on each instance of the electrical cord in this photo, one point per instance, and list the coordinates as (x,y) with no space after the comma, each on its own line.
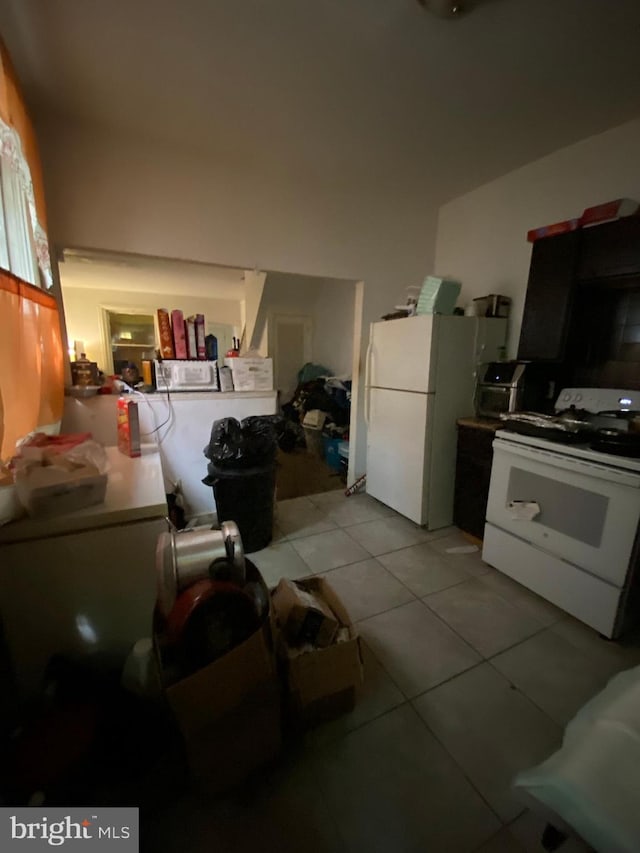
(171,414)
(167,420)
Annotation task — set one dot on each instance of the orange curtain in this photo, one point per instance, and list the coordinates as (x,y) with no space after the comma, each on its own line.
(31,348)
(31,360)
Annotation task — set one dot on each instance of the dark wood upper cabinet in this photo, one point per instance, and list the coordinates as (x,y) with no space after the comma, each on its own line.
(610,250)
(552,278)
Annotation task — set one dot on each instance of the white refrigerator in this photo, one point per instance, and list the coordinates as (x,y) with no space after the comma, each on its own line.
(420,378)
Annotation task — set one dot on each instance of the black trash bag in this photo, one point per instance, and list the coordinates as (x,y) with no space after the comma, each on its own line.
(290,436)
(260,434)
(250,444)
(226,445)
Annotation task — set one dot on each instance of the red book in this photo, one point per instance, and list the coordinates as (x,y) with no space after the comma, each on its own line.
(179,334)
(200,336)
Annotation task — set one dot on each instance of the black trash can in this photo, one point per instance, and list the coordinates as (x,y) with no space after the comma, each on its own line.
(246,496)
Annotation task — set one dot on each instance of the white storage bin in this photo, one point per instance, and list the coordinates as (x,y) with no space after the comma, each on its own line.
(251,374)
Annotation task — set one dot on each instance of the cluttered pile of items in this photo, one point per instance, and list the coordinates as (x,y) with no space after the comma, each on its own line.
(51,475)
(320,409)
(438,295)
(236,661)
(230,668)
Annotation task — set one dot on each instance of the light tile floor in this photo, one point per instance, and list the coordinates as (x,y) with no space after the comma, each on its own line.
(469,678)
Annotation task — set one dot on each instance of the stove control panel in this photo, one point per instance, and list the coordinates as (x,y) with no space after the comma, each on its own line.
(596,400)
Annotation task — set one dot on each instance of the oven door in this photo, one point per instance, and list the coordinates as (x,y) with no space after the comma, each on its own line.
(588,512)
(494,400)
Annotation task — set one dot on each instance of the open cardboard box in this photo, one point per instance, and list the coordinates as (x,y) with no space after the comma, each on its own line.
(229,711)
(322,683)
(51,491)
(303,617)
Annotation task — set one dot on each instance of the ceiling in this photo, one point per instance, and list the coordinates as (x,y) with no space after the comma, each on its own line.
(348,90)
(139,274)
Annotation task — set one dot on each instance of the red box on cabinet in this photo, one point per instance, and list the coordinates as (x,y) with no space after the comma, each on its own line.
(128,427)
(179,334)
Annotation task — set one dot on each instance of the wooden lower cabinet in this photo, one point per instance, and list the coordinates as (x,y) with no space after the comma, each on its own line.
(473,475)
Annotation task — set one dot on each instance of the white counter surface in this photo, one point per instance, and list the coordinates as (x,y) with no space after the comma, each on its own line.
(135,491)
(181,428)
(179,396)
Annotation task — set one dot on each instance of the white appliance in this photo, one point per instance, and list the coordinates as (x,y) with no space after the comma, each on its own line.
(578,548)
(186,375)
(420,378)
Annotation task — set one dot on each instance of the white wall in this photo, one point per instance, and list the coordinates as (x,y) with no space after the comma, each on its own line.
(481,236)
(107,190)
(253,288)
(333,326)
(83,307)
(330,305)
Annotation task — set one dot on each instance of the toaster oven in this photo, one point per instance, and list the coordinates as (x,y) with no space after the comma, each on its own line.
(515,386)
(500,388)
(186,375)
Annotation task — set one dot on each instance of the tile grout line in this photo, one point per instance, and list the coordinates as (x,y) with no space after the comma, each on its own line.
(484,658)
(462,771)
(420,597)
(359,726)
(477,651)
(513,686)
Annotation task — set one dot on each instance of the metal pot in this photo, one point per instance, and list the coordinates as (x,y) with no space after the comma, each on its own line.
(186,556)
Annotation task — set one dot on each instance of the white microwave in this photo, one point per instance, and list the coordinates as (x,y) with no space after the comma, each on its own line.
(186,375)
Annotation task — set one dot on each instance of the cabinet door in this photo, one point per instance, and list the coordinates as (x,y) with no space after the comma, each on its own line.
(549,294)
(473,475)
(397,441)
(611,249)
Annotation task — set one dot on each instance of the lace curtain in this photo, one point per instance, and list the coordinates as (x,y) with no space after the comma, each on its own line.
(24,250)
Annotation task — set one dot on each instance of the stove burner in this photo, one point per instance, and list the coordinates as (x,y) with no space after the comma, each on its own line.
(617,442)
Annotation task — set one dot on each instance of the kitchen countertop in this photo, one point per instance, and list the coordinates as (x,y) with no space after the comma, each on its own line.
(481,423)
(135,492)
(183,396)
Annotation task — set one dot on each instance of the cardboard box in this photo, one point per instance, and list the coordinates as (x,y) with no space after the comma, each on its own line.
(314,419)
(192,346)
(128,427)
(551,230)
(229,712)
(179,332)
(164,331)
(251,374)
(322,683)
(46,491)
(615,209)
(303,616)
(200,336)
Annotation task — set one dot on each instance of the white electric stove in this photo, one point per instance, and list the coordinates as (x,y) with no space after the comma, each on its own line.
(562,517)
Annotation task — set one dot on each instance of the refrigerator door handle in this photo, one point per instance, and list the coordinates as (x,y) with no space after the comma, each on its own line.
(367,377)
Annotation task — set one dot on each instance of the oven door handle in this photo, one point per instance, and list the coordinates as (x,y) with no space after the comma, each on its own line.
(568,463)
